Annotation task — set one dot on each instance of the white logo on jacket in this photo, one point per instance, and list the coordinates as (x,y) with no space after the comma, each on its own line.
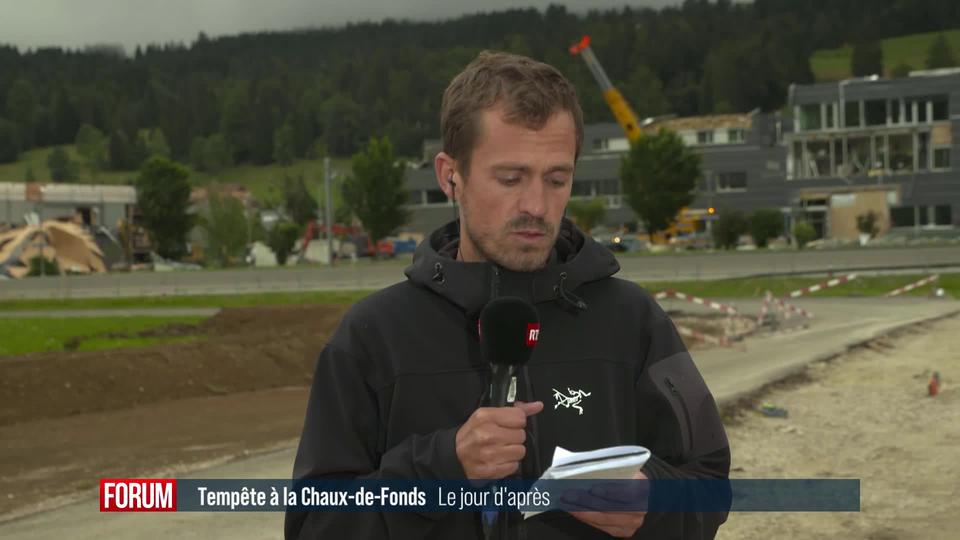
(572,400)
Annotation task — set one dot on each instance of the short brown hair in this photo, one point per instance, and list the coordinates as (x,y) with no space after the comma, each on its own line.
(530,91)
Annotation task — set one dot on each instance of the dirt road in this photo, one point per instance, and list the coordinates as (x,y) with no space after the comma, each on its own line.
(863,415)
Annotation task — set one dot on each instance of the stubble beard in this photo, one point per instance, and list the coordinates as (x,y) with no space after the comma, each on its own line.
(500,251)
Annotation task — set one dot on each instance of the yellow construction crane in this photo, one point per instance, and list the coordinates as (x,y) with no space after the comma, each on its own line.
(687,221)
(621,109)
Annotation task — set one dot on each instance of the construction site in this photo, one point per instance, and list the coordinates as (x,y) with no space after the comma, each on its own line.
(230,404)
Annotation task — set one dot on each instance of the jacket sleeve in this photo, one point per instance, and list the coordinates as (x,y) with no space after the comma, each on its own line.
(340,440)
(678,419)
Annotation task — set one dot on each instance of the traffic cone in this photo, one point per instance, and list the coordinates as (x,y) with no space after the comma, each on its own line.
(933,387)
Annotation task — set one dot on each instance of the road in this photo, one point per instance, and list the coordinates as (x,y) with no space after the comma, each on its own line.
(119,312)
(839,324)
(364,275)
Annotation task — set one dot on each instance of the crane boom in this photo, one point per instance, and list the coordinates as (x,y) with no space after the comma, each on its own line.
(621,109)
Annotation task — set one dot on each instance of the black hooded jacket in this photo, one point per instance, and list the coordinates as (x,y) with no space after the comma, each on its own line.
(404,370)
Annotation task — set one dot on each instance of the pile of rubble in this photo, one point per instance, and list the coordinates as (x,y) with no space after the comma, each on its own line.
(67,244)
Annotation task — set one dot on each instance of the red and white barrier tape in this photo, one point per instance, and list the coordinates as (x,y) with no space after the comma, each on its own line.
(912,286)
(783,306)
(689,332)
(765,308)
(723,308)
(790,308)
(825,285)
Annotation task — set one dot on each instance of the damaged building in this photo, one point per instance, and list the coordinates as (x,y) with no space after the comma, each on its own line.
(883,145)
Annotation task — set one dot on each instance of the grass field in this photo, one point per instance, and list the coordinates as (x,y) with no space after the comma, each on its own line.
(724,288)
(834,64)
(27,335)
(265,182)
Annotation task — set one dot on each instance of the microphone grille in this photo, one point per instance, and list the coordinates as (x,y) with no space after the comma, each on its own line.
(509,330)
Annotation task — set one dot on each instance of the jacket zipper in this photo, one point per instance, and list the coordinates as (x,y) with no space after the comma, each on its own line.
(683,405)
(495,282)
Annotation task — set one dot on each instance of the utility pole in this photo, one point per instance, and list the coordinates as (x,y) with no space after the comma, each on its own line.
(328,207)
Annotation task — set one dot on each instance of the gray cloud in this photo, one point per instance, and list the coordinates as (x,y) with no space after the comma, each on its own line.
(76,23)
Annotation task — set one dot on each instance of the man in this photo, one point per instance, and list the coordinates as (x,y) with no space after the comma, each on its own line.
(396,390)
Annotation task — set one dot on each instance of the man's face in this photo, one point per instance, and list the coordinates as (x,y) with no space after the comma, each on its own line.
(519,182)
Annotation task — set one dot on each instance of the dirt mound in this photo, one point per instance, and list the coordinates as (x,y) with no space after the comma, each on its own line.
(243,349)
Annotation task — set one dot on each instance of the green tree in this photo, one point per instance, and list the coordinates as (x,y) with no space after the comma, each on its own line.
(121,154)
(804,233)
(227,229)
(163,197)
(9,141)
(236,123)
(21,108)
(866,59)
(939,54)
(587,214)
(62,168)
(29,176)
(644,91)
(342,124)
(299,203)
(283,145)
(92,146)
(42,266)
(210,154)
(282,238)
(155,143)
(765,225)
(730,225)
(658,176)
(375,192)
(869,223)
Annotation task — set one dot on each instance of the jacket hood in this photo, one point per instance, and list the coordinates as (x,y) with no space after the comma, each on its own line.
(576,259)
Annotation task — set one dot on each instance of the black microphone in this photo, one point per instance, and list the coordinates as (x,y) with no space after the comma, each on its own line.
(509,330)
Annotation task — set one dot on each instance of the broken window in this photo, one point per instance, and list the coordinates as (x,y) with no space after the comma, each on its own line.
(875,111)
(894,108)
(923,150)
(879,153)
(797,156)
(818,163)
(810,117)
(901,153)
(837,157)
(940,110)
(851,114)
(858,155)
(921,106)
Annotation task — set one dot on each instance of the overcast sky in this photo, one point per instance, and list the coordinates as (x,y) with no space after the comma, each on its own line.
(75,23)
